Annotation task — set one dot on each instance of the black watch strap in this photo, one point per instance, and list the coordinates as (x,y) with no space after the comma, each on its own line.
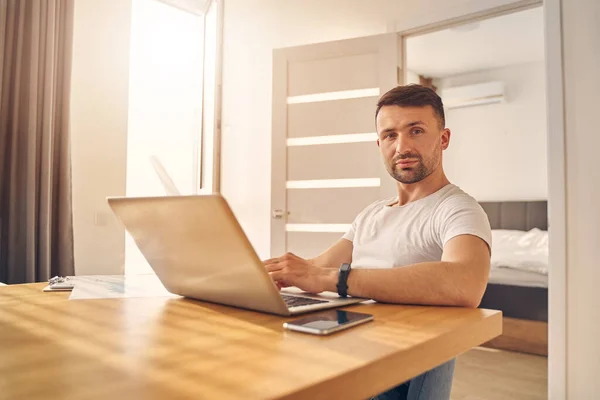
(342,285)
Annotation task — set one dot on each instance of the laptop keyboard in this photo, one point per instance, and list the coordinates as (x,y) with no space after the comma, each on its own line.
(296,301)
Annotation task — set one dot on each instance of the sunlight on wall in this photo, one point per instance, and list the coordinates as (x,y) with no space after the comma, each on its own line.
(165,104)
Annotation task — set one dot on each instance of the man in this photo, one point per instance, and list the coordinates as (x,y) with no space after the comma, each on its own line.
(429,245)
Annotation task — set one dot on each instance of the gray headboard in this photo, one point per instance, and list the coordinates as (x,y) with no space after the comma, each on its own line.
(519,215)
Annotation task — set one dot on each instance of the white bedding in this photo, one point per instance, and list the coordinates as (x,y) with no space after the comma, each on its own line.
(525,251)
(515,277)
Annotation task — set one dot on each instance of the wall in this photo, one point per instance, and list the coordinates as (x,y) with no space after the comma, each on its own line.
(99,96)
(581,54)
(411,77)
(498,152)
(252,29)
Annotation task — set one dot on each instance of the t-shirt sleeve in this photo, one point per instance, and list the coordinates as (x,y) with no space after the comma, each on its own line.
(349,235)
(462,215)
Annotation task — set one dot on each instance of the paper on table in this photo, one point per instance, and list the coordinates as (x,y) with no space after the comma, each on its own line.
(117,286)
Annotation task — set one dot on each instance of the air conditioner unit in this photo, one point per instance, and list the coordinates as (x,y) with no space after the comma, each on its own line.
(473,95)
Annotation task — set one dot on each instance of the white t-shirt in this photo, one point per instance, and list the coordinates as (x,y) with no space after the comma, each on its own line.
(385,236)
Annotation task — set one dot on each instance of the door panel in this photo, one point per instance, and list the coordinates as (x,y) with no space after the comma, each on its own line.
(333,161)
(310,244)
(334,117)
(325,164)
(328,206)
(333,74)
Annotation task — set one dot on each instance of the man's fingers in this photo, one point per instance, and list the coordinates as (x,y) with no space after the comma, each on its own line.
(271,261)
(276,276)
(274,267)
(285,257)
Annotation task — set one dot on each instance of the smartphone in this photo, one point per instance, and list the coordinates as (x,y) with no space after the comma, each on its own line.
(326,322)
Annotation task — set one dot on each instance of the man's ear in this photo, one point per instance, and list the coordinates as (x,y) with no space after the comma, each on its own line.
(446,138)
(378,145)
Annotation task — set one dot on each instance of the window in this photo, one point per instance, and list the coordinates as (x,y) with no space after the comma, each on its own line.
(172,87)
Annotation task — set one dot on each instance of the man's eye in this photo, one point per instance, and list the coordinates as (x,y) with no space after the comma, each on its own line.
(417,131)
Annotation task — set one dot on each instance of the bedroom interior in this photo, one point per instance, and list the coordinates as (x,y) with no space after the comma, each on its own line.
(495,101)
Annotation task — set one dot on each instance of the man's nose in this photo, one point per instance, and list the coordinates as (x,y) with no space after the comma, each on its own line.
(403,145)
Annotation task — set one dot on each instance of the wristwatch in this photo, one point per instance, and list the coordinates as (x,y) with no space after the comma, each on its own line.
(342,285)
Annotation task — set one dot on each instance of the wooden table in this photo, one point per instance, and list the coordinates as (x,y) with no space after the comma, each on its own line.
(174,348)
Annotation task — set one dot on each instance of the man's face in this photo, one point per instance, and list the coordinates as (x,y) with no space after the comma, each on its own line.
(411,142)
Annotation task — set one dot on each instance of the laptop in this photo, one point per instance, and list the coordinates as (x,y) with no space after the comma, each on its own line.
(170,187)
(197,249)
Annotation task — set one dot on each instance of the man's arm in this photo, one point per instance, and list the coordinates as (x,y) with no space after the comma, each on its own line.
(340,252)
(459,279)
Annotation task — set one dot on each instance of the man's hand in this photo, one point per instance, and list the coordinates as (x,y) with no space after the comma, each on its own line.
(291,270)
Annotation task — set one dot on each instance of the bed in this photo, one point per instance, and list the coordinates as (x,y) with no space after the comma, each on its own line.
(518,283)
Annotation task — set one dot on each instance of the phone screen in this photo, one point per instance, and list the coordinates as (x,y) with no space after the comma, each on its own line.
(328,321)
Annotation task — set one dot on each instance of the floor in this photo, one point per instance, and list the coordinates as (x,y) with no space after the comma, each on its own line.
(489,374)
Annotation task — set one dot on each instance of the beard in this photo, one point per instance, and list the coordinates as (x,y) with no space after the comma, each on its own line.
(421,170)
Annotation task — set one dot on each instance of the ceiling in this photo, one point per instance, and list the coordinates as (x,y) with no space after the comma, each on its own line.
(497,42)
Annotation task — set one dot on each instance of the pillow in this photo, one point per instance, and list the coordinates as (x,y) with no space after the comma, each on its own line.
(522,250)
(506,237)
(535,239)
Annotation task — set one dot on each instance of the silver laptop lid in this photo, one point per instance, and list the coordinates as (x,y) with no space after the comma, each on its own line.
(170,187)
(198,249)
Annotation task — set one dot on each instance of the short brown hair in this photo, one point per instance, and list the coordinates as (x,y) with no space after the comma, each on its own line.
(413,95)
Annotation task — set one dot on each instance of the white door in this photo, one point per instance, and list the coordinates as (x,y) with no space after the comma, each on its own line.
(326,166)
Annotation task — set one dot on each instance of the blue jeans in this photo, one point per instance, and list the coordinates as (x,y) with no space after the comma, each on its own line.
(432,385)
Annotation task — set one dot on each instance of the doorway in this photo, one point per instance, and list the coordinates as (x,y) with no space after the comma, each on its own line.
(314,202)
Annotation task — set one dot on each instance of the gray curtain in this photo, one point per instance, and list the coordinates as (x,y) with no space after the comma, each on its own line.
(36,235)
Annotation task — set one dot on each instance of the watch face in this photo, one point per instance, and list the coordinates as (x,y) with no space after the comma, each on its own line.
(345,267)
